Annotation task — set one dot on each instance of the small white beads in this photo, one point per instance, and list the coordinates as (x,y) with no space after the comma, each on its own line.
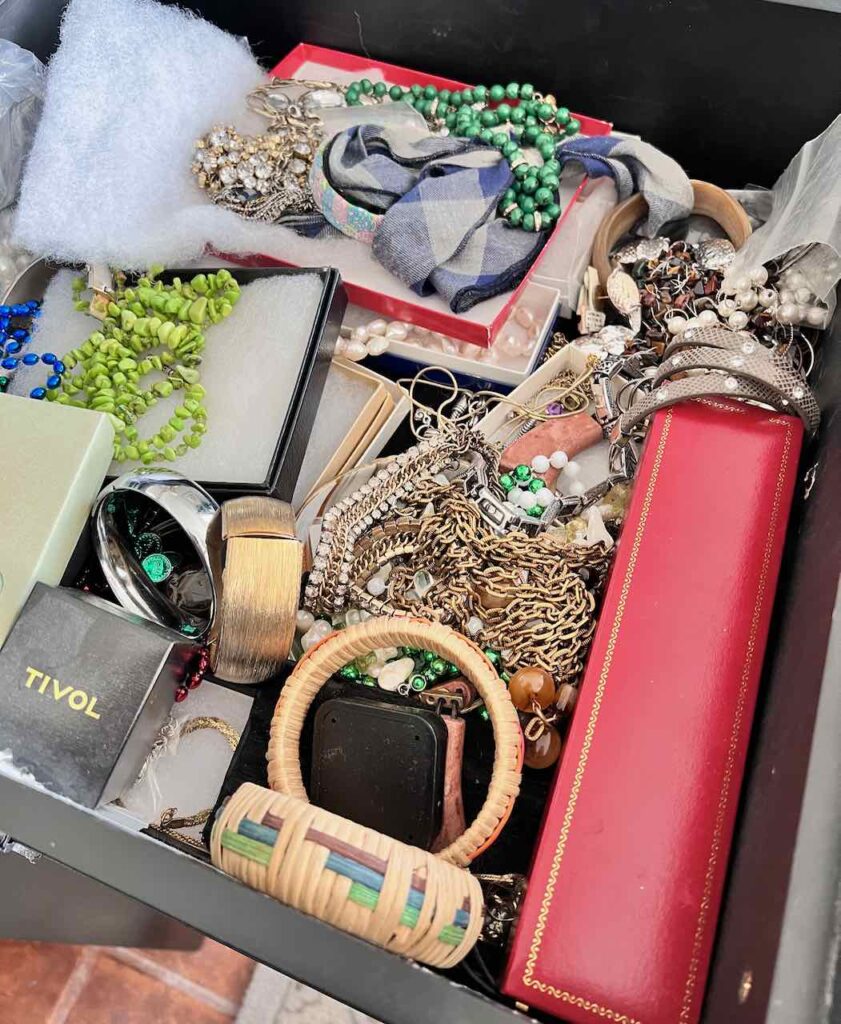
(572,469)
(708,318)
(577,488)
(540,464)
(544,497)
(304,620)
(558,459)
(738,320)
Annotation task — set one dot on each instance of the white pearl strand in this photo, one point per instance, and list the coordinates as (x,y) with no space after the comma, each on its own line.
(370,339)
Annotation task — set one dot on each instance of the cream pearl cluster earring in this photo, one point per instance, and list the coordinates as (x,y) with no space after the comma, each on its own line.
(789,300)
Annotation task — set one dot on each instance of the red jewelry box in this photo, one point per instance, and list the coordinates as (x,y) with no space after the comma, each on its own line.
(395,300)
(620,912)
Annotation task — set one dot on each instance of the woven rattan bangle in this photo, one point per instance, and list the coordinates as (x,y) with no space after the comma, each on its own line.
(324,659)
(710,201)
(258,579)
(399,897)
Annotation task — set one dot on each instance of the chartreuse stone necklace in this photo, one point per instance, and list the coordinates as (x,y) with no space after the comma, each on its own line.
(149,330)
(504,116)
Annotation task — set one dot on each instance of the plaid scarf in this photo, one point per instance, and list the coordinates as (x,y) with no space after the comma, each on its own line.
(438,197)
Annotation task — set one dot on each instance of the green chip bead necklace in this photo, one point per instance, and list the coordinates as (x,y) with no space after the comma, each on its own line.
(151,329)
(519,116)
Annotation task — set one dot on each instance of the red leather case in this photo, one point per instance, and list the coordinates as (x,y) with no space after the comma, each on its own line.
(620,912)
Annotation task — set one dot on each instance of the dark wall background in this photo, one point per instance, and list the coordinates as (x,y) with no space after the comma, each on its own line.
(731,88)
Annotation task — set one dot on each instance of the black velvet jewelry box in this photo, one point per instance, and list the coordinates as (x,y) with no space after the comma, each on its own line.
(308,374)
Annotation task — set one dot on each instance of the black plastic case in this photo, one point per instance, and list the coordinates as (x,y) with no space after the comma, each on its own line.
(381,765)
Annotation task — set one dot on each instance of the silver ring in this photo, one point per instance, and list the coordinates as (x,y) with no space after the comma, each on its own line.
(195,512)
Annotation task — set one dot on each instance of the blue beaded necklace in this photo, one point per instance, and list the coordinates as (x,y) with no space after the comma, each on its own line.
(14,338)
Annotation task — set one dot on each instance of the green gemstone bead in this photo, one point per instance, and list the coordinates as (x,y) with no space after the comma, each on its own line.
(417,683)
(509,149)
(515,217)
(527,204)
(422,106)
(455,100)
(4,382)
(544,196)
(366,85)
(530,134)
(367,680)
(574,127)
(562,115)
(176,423)
(350,672)
(416,90)
(516,132)
(542,137)
(497,93)
(521,171)
(551,181)
(438,666)
(522,473)
(536,484)
(529,185)
(526,91)
(410,99)
(380,88)
(352,97)
(450,120)
(518,115)
(467,96)
(486,135)
(488,118)
(499,139)
(480,93)
(510,196)
(512,90)
(503,111)
(546,150)
(430,92)
(545,111)
(507,482)
(444,96)
(549,167)
(552,210)
(471,132)
(536,511)
(531,122)
(492,656)
(396,92)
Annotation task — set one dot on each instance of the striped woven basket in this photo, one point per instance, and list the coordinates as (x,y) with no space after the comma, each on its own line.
(396,896)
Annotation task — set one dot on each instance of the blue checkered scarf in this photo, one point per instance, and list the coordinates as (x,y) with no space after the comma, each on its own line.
(440,231)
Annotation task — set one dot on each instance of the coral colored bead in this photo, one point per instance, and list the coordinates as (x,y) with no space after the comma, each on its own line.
(531,685)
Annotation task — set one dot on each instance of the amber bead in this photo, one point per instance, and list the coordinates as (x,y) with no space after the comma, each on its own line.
(545,750)
(531,685)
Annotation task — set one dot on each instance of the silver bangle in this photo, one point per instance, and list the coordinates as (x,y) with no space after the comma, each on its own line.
(195,512)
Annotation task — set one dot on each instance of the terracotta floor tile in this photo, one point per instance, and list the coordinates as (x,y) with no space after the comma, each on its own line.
(118,994)
(212,965)
(32,975)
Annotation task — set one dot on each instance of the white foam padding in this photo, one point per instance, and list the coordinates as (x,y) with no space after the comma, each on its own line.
(131,87)
(249,368)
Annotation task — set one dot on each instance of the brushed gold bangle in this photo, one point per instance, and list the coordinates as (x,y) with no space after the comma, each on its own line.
(258,576)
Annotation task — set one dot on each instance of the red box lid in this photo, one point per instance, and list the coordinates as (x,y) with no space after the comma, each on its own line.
(395,306)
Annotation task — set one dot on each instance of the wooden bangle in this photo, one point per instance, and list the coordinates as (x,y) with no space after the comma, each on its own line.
(710,201)
(327,657)
(399,897)
(258,586)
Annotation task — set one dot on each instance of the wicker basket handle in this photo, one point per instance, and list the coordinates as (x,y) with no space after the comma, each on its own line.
(324,659)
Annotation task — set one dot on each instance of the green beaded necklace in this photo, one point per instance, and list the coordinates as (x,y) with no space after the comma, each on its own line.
(152,328)
(531,203)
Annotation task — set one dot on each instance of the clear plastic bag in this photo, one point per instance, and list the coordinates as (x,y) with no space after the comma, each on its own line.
(21,96)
